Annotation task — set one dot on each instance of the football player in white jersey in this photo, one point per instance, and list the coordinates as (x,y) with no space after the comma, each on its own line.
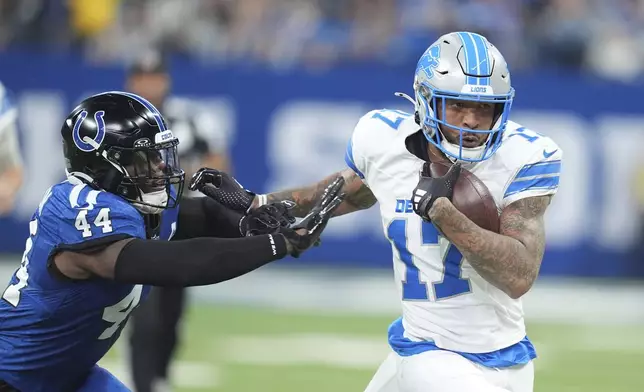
(10,157)
(462,327)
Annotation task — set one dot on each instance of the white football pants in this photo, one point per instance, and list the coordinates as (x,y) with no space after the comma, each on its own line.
(444,371)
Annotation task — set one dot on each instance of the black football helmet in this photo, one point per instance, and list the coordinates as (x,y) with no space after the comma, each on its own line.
(119,142)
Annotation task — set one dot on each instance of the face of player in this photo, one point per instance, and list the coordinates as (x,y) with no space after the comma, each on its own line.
(150,169)
(152,86)
(467,115)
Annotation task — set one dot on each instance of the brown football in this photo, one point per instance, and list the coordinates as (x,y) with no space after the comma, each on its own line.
(471,197)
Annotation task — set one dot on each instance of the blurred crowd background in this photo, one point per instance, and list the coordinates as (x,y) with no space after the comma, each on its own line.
(605,38)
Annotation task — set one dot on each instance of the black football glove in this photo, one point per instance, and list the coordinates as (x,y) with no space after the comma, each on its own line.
(223,188)
(430,189)
(267,219)
(307,233)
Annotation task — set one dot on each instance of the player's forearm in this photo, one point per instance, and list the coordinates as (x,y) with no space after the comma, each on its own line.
(358,196)
(305,199)
(503,261)
(204,217)
(195,262)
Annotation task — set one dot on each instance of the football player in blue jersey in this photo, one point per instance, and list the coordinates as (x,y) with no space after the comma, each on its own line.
(100,237)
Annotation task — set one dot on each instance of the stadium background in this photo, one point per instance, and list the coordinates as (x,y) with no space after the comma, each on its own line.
(288,79)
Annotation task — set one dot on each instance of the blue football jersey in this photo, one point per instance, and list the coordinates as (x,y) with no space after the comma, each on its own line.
(53,330)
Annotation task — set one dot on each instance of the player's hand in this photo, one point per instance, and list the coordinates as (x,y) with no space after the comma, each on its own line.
(267,219)
(307,233)
(430,189)
(223,188)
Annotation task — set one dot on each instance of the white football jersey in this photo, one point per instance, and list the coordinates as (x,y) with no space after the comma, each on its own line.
(443,298)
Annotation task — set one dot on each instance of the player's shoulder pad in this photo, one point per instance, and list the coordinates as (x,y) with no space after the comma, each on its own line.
(79,213)
(536,161)
(374,135)
(522,145)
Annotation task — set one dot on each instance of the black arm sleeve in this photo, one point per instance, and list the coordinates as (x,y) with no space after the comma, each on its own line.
(195,262)
(204,217)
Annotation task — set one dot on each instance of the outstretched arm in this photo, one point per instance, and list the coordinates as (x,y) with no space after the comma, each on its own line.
(509,260)
(204,217)
(358,195)
(189,262)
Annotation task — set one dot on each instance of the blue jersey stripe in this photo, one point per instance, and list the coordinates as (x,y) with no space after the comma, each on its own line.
(541,183)
(539,169)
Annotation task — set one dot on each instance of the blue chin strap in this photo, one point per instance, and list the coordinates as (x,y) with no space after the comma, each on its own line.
(503,103)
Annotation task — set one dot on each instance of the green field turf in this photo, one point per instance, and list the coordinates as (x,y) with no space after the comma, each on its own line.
(250,349)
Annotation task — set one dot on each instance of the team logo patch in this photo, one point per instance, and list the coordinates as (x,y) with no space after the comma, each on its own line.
(429,61)
(142,142)
(82,143)
(163,137)
(477,89)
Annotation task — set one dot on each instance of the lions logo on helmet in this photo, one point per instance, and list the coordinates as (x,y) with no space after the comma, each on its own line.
(429,61)
(462,66)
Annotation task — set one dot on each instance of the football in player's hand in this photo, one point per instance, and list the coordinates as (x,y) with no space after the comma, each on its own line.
(471,197)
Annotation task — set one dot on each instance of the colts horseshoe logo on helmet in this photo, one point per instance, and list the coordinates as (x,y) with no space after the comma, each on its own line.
(82,143)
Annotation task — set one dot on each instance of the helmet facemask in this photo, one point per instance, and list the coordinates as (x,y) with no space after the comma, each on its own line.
(150,176)
(429,101)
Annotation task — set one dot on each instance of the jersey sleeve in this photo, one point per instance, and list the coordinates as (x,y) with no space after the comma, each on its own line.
(538,176)
(374,137)
(88,218)
(350,159)
(361,145)
(353,156)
